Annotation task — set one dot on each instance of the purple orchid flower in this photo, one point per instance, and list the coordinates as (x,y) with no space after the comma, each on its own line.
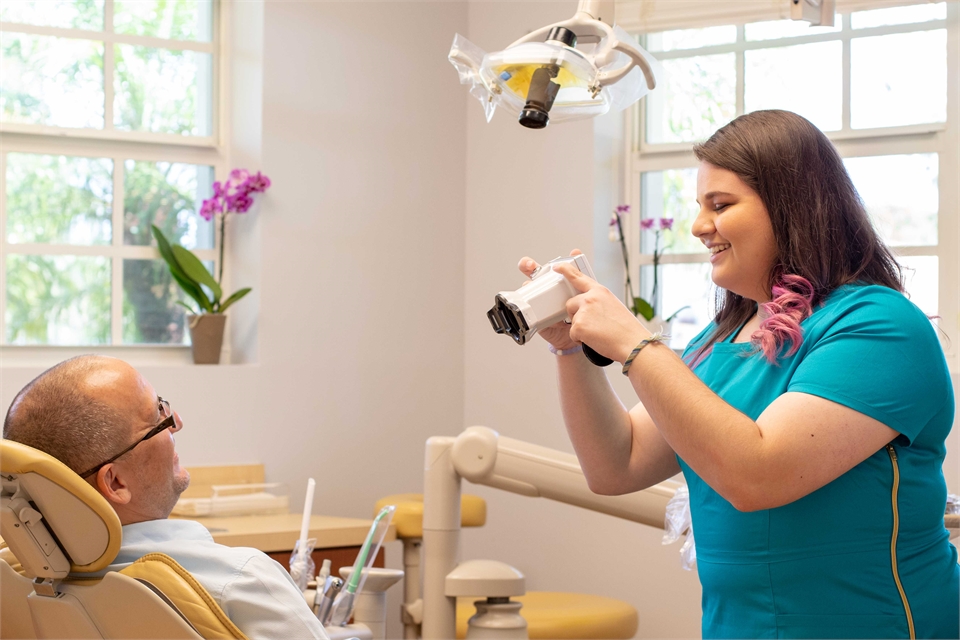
(666,223)
(209,208)
(258,182)
(647,224)
(239,203)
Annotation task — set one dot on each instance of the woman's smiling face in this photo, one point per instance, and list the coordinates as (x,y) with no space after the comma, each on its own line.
(734,225)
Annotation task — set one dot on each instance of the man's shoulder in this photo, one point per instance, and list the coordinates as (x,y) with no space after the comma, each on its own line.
(186,541)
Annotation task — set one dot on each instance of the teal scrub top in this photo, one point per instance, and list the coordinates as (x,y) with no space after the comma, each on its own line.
(822,566)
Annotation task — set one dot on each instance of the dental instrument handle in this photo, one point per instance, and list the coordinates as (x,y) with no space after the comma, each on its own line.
(324,572)
(342,608)
(378,530)
(307,509)
(330,592)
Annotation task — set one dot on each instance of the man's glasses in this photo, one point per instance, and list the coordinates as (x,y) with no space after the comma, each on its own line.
(169,420)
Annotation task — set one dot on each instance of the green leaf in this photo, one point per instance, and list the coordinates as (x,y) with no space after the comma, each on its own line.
(165,251)
(675,313)
(193,290)
(236,296)
(642,308)
(187,307)
(195,270)
(189,285)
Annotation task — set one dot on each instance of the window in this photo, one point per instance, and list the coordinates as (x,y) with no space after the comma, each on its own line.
(107,125)
(876,83)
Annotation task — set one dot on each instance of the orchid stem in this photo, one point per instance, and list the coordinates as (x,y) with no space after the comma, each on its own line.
(628,284)
(223,228)
(656,260)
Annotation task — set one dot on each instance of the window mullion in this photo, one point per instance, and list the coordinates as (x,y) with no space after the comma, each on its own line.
(3,248)
(740,70)
(845,73)
(116,262)
(108,62)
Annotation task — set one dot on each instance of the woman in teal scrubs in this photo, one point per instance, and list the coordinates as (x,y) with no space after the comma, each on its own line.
(809,418)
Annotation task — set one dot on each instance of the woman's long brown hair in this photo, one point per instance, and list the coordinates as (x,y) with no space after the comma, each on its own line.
(821,228)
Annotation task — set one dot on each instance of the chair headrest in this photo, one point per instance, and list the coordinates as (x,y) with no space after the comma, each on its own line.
(84,525)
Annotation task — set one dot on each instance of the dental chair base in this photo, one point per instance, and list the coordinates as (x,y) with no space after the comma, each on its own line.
(497,617)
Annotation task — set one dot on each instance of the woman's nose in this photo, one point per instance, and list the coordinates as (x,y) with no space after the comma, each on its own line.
(702,224)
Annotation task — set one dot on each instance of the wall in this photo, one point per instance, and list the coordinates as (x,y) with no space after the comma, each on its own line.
(355,253)
(542,193)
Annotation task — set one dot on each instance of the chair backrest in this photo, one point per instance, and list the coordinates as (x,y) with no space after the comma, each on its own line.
(64,534)
(15,620)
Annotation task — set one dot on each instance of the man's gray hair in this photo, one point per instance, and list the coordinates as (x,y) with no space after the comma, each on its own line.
(55,414)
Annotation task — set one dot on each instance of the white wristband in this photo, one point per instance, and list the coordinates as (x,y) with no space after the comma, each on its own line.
(565,352)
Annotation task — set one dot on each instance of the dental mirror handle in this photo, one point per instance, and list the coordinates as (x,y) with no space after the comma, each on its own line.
(596,358)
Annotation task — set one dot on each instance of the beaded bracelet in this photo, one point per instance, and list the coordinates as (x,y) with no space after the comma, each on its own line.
(564,352)
(657,337)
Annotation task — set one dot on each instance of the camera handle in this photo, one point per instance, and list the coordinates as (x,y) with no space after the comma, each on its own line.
(596,358)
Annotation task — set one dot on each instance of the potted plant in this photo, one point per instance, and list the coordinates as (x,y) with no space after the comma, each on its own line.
(206,321)
(645,310)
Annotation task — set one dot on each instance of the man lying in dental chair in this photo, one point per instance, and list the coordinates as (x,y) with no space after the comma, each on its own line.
(100,417)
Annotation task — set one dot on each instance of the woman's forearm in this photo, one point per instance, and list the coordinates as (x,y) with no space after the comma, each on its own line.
(724,446)
(597,422)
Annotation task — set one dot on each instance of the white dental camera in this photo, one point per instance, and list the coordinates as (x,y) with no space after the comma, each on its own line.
(539,304)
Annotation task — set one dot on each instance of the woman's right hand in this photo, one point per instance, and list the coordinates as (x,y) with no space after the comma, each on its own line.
(558,334)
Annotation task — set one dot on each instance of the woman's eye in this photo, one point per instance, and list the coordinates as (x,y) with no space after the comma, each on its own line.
(720,207)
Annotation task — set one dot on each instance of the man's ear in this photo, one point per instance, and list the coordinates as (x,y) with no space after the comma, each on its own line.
(113,486)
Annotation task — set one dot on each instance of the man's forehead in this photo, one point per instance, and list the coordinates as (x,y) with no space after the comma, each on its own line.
(121,385)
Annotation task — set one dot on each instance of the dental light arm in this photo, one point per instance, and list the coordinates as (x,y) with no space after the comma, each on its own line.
(482,456)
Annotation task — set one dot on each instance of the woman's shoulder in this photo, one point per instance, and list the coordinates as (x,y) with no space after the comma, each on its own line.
(874,312)
(866,301)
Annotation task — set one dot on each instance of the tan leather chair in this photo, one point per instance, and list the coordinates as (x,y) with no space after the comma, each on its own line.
(64,534)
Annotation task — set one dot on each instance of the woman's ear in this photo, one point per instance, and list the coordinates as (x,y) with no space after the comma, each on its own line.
(112,485)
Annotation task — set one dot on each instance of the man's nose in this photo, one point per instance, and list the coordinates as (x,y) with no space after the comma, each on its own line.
(177,422)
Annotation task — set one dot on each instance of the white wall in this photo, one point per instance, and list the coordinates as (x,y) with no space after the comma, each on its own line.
(536,193)
(355,253)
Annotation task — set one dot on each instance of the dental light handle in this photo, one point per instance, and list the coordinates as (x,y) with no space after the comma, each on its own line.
(589,21)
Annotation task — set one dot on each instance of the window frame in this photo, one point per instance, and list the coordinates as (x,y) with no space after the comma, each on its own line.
(942,138)
(118,146)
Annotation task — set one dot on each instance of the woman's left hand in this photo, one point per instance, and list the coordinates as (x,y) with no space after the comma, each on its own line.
(599,318)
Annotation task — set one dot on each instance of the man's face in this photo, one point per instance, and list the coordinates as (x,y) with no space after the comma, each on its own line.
(152,469)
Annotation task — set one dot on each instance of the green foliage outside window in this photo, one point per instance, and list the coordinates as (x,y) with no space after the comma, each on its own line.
(61,200)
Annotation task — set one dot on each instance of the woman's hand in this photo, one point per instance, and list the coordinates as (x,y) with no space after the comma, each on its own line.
(559,334)
(599,318)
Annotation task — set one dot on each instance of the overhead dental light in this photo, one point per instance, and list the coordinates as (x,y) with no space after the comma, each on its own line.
(816,12)
(579,68)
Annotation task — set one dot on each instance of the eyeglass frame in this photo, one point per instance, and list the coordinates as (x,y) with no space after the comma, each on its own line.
(165,424)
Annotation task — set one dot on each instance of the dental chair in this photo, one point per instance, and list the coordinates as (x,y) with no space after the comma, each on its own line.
(549,614)
(64,535)
(440,591)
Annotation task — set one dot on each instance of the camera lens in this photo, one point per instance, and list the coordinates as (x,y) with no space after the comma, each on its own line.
(543,91)
(507,318)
